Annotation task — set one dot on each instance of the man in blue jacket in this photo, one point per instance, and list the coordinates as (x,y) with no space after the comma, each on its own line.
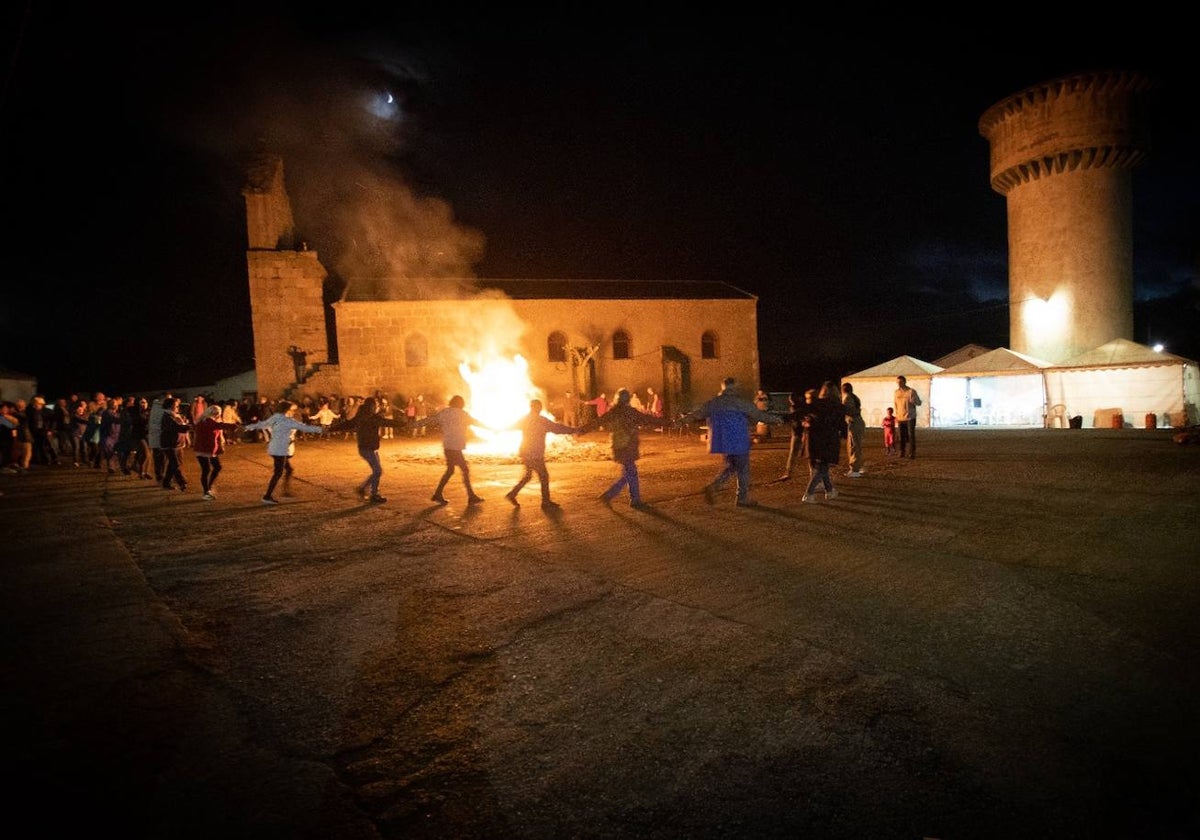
(729,416)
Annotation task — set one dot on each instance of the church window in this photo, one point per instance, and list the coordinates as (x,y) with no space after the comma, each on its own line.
(556,347)
(620,344)
(708,345)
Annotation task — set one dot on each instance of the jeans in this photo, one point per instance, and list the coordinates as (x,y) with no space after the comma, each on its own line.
(739,466)
(818,477)
(455,459)
(629,478)
(371,456)
(908,436)
(535,465)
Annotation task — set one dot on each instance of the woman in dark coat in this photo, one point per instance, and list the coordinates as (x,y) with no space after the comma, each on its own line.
(366,423)
(824,423)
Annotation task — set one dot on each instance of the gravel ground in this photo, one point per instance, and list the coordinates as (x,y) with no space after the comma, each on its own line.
(996,639)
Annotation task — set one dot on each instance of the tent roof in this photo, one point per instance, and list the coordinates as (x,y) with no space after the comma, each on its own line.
(1121,352)
(967,351)
(899,366)
(998,361)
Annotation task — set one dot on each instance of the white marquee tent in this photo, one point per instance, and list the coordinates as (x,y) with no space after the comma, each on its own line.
(1121,382)
(876,386)
(1125,382)
(999,388)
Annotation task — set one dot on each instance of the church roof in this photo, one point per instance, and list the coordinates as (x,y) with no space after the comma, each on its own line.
(567,289)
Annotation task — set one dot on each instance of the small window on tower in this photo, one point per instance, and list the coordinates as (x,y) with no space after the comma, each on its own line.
(620,345)
(556,347)
(709,347)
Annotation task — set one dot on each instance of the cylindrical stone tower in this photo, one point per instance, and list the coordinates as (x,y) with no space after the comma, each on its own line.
(1062,153)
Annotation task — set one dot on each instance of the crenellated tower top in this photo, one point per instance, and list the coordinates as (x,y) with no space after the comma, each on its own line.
(1081,121)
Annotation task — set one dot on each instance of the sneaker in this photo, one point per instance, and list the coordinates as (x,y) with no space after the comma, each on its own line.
(268,500)
(474,500)
(376,499)
(710,494)
(747,503)
(606,500)
(438,498)
(208,497)
(639,505)
(547,505)
(831,494)
(808,497)
(512,497)
(854,474)
(784,477)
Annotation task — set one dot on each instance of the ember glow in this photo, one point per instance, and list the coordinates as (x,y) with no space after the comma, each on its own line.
(500,391)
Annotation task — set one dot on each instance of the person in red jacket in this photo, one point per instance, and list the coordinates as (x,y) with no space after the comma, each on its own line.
(210,443)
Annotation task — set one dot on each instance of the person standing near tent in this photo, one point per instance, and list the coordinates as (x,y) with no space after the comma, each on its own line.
(856,429)
(889,432)
(905,401)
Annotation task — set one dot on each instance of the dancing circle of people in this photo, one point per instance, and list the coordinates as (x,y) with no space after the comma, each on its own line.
(147,438)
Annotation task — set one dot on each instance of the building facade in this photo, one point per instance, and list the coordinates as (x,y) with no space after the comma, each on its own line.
(579,338)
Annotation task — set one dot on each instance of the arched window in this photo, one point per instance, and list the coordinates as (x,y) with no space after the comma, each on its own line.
(709,347)
(416,350)
(620,345)
(556,347)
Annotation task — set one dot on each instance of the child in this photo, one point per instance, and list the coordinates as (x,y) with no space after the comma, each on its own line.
(889,433)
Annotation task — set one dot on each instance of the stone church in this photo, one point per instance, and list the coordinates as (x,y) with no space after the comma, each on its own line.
(579,338)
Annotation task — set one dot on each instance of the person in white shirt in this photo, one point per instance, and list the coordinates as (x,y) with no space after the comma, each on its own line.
(282,428)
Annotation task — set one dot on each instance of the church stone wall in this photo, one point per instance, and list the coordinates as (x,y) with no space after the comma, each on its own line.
(374,341)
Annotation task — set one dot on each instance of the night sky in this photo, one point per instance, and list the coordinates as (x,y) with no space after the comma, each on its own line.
(837,175)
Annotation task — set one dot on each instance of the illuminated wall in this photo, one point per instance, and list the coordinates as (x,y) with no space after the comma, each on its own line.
(1062,153)
(376,341)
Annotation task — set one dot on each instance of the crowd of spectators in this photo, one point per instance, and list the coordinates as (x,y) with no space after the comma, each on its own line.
(115,433)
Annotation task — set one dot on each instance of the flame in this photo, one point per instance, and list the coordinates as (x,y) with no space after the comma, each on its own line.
(500,391)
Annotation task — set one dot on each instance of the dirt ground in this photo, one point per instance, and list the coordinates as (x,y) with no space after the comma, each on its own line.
(997,639)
